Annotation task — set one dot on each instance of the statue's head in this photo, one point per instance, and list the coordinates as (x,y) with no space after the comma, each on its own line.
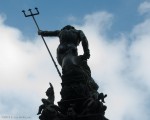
(67,27)
(45,101)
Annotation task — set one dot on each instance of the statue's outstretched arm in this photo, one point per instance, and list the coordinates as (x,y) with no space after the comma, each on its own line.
(49,33)
(85,45)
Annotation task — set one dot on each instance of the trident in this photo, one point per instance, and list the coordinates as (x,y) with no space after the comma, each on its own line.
(32,15)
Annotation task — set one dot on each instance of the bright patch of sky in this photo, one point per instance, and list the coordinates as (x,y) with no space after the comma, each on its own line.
(120,65)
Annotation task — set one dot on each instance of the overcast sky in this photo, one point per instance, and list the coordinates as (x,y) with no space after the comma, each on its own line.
(119,39)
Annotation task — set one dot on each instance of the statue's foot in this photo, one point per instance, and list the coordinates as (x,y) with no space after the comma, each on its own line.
(38,113)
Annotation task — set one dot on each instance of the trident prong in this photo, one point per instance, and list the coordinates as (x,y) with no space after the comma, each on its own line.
(24,13)
(32,15)
(37,10)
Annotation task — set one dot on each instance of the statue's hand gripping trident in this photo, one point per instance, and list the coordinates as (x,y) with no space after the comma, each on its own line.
(32,15)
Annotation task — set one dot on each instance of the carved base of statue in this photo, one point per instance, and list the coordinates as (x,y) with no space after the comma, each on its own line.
(80,99)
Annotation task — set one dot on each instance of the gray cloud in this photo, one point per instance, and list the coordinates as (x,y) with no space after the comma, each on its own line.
(144,7)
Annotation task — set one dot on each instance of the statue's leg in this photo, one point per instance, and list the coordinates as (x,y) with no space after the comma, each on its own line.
(70,59)
(61,52)
(67,55)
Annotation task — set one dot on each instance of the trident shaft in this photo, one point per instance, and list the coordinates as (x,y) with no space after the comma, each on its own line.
(32,15)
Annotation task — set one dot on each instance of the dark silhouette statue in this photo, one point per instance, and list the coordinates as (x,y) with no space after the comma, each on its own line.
(80,99)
